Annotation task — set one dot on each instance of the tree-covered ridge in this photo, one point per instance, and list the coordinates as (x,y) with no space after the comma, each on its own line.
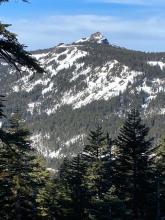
(69,92)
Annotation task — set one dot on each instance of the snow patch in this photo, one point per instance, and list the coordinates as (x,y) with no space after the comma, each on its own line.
(16,88)
(157,63)
(155,86)
(40,55)
(32,106)
(54,154)
(76,75)
(48,89)
(30,86)
(70,59)
(74,139)
(162,111)
(52,110)
(82,40)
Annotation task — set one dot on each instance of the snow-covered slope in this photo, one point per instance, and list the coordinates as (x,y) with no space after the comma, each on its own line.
(86,81)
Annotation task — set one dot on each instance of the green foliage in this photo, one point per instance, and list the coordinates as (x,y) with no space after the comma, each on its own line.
(13,52)
(86,182)
(72,177)
(104,181)
(22,173)
(158,177)
(132,166)
(93,154)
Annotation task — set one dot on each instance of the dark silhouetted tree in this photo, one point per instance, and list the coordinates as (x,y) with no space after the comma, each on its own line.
(132,166)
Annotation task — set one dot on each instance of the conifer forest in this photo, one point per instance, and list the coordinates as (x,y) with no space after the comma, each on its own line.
(116,171)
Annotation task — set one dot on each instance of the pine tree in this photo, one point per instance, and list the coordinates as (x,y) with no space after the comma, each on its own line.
(14,53)
(42,180)
(111,202)
(47,199)
(158,179)
(93,155)
(87,180)
(72,178)
(18,165)
(6,158)
(108,164)
(22,174)
(6,183)
(132,166)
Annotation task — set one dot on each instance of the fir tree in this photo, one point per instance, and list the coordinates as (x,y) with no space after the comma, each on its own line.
(93,155)
(22,174)
(96,155)
(6,182)
(41,183)
(6,158)
(110,200)
(47,200)
(132,166)
(14,53)
(108,164)
(72,177)
(158,179)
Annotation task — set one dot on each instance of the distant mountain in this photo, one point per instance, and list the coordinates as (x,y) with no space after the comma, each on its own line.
(87,82)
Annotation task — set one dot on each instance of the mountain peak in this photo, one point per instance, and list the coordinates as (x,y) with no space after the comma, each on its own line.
(94,38)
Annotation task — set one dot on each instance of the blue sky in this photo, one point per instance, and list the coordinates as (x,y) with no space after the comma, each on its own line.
(135,24)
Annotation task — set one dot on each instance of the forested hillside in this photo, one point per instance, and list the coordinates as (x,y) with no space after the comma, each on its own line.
(87,82)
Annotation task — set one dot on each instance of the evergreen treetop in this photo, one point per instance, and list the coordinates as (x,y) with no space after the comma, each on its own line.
(131,165)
